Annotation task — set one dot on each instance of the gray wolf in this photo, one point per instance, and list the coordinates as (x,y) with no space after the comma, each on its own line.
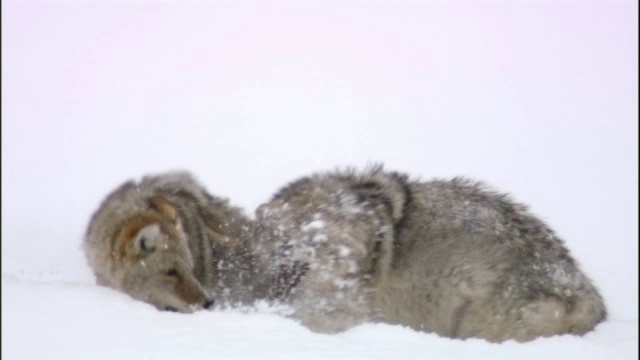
(164,240)
(452,257)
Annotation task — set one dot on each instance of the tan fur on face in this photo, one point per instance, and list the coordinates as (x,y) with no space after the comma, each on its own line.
(123,243)
(163,206)
(188,292)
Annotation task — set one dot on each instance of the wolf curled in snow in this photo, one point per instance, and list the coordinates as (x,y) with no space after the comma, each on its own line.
(451,257)
(167,242)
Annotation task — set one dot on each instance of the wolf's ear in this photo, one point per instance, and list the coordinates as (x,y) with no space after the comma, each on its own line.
(163,206)
(146,240)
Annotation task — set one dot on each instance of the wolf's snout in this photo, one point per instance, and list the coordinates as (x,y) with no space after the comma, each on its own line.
(171,308)
(208,303)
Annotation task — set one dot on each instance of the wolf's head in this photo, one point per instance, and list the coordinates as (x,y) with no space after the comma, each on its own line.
(151,261)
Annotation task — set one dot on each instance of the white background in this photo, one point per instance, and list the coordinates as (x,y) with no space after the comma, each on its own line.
(537,98)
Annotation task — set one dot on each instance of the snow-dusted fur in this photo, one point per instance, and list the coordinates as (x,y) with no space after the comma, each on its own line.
(450,257)
(166,241)
(341,248)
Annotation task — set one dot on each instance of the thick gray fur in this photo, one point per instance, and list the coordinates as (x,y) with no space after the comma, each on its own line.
(452,257)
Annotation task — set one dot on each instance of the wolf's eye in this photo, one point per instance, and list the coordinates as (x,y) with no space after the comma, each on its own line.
(172,272)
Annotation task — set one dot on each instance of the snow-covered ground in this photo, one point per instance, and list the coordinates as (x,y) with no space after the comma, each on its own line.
(537,98)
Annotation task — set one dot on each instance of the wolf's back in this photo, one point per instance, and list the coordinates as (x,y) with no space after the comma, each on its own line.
(450,256)
(489,267)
